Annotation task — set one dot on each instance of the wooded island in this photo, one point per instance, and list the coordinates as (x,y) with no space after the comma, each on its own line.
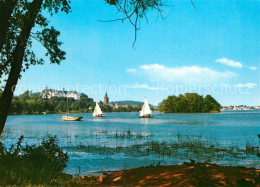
(189,103)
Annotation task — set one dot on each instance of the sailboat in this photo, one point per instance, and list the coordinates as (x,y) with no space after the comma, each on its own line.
(69,118)
(97,112)
(146,111)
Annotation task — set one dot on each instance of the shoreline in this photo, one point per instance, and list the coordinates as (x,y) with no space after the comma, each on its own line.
(187,174)
(65,113)
(225,111)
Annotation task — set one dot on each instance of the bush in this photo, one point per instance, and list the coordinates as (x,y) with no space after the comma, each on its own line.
(30,164)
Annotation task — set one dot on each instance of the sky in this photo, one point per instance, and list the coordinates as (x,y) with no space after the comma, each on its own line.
(212,50)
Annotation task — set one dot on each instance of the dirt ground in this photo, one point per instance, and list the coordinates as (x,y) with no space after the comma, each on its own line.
(187,174)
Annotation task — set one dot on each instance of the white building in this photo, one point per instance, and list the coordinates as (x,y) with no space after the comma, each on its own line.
(74,95)
(49,93)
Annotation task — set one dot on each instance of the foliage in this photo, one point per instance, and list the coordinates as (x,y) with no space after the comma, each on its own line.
(23,164)
(106,108)
(189,103)
(32,103)
(42,33)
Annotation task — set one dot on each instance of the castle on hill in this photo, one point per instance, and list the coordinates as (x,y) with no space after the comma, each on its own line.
(49,93)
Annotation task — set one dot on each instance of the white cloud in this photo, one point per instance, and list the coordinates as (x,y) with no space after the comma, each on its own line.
(190,74)
(246,85)
(253,68)
(130,70)
(229,62)
(142,86)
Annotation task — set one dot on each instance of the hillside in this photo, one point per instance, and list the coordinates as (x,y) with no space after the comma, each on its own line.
(127,102)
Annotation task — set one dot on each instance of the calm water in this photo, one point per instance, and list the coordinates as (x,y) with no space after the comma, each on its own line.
(225,129)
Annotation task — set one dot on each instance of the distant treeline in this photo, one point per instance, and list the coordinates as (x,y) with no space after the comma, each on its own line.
(189,103)
(129,108)
(33,103)
(127,102)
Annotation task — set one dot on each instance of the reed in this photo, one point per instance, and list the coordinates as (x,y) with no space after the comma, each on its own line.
(184,147)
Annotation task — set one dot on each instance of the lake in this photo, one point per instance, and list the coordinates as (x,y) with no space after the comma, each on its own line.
(122,140)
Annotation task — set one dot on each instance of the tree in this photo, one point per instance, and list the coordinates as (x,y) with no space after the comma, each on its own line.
(16,41)
(183,104)
(25,96)
(195,102)
(6,9)
(19,17)
(169,105)
(106,108)
(210,104)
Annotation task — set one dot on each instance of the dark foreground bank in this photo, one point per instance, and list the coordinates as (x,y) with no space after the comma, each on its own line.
(187,174)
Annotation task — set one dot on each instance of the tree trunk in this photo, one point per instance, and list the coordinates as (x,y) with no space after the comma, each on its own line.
(6,10)
(17,62)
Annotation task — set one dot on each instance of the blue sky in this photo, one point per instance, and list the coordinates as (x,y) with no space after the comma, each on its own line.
(214,50)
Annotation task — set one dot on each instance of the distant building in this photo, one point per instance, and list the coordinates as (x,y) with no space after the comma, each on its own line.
(124,106)
(230,107)
(116,105)
(49,93)
(106,99)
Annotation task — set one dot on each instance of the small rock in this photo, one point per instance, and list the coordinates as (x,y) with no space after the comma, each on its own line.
(101,178)
(117,179)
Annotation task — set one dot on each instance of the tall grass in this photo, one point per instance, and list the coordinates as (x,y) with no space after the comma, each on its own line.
(23,164)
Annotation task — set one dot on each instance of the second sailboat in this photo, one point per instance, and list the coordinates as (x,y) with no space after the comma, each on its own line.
(97,112)
(146,111)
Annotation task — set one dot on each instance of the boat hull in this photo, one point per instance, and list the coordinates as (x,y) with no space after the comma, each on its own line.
(146,116)
(66,118)
(99,116)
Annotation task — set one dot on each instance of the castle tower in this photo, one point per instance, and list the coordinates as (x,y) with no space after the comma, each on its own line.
(45,93)
(106,99)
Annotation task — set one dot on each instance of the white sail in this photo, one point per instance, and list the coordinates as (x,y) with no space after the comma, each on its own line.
(145,109)
(97,110)
(142,111)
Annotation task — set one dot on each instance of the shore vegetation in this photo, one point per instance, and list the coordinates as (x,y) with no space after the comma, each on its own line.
(23,164)
(44,164)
